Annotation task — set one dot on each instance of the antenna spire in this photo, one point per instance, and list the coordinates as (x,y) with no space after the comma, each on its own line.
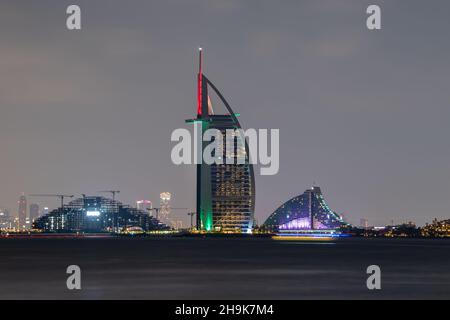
(199,82)
(200,60)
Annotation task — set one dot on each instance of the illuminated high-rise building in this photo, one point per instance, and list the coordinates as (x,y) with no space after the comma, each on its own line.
(144,205)
(4,213)
(5,220)
(164,207)
(364,223)
(22,211)
(225,192)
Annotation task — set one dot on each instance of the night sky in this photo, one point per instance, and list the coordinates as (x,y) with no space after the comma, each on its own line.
(364,114)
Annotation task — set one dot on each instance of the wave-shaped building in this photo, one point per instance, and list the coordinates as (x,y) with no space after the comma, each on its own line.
(308,211)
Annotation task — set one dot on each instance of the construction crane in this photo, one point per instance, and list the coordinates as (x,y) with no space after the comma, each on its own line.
(192,216)
(60,196)
(113,192)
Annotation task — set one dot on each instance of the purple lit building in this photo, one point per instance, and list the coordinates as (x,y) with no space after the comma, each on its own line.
(308,211)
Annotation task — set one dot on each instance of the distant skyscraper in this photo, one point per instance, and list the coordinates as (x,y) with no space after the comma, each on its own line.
(144,205)
(45,211)
(22,211)
(5,221)
(164,204)
(4,213)
(364,223)
(34,211)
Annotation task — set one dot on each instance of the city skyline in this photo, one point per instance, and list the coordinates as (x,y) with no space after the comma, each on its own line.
(362,114)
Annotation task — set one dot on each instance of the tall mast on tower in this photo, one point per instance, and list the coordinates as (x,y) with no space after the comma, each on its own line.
(200,83)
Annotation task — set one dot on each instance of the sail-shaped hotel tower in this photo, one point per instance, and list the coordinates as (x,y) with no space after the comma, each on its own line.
(225,192)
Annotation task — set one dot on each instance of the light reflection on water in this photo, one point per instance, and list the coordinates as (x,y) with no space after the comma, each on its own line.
(307,243)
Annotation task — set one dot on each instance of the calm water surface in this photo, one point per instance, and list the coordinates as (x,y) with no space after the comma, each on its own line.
(218,268)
